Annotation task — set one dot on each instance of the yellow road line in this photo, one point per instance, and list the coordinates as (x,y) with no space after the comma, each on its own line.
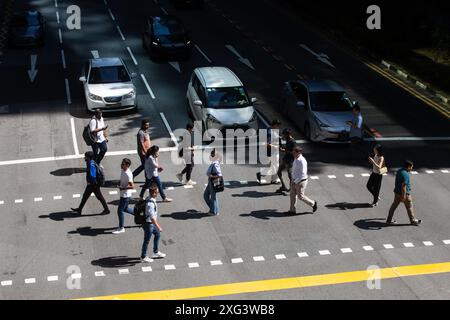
(282,283)
(412,91)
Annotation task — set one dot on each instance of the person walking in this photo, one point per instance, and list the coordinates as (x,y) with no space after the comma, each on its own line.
(152,170)
(143,144)
(402,193)
(300,181)
(187,151)
(378,168)
(125,186)
(151,227)
(98,129)
(356,131)
(214,172)
(272,136)
(92,174)
(287,160)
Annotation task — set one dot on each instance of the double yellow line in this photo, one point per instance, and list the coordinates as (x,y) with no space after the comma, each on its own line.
(283,283)
(415,93)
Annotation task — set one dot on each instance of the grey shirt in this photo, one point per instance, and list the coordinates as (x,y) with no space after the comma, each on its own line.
(142,135)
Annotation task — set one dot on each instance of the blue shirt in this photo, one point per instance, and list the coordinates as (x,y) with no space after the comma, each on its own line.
(91,172)
(402,177)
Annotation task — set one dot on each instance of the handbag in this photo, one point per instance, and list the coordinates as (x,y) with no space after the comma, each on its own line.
(218,183)
(383,170)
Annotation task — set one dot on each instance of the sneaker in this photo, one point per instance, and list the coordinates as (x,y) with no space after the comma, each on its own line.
(180,177)
(416,222)
(76,210)
(191,183)
(392,223)
(119,230)
(374,204)
(105,212)
(158,255)
(146,259)
(282,189)
(315,206)
(167,200)
(276,181)
(258,177)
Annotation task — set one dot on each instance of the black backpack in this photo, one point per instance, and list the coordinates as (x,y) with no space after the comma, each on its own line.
(88,136)
(140,214)
(100,175)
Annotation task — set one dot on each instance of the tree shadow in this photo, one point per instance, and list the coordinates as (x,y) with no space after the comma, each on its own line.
(271,213)
(186,215)
(255,194)
(374,224)
(93,232)
(60,216)
(348,206)
(67,172)
(116,262)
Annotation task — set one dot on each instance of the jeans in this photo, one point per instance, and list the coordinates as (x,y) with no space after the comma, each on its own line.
(188,170)
(284,166)
(211,200)
(99,150)
(374,185)
(147,184)
(150,229)
(93,188)
(123,207)
(141,168)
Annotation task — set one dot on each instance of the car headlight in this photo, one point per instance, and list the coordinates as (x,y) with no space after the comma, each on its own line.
(188,42)
(95,97)
(210,118)
(155,42)
(321,124)
(129,95)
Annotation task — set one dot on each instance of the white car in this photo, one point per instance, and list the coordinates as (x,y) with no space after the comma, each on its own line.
(216,97)
(108,85)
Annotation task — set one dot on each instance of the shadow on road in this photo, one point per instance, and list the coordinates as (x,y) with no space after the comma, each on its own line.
(67,172)
(348,206)
(93,232)
(255,194)
(271,213)
(375,224)
(116,262)
(60,216)
(186,215)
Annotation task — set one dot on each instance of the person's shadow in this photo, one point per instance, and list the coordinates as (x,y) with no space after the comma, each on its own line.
(348,206)
(271,213)
(185,215)
(255,194)
(93,232)
(60,216)
(374,224)
(116,262)
(67,172)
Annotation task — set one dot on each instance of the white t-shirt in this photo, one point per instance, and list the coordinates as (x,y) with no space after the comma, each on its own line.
(96,124)
(299,169)
(125,178)
(151,209)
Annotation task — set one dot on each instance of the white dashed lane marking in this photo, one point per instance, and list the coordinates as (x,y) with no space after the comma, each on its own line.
(169,267)
(408,245)
(193,265)
(445,171)
(237,260)
(124,271)
(52,278)
(368,248)
(446,241)
(302,254)
(388,246)
(30,280)
(99,273)
(6,283)
(365,174)
(2,202)
(414,172)
(349,176)
(37,199)
(76,196)
(216,263)
(324,252)
(314,178)
(258,259)
(332,177)
(18,201)
(113,192)
(428,243)
(57,197)
(76,276)
(280,256)
(429,171)
(146,269)
(346,250)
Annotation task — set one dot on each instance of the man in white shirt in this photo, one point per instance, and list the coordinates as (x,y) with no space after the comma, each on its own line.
(98,130)
(300,181)
(125,186)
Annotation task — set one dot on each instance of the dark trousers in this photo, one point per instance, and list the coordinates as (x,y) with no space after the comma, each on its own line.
(147,184)
(284,166)
(141,168)
(188,170)
(150,229)
(374,185)
(93,188)
(99,150)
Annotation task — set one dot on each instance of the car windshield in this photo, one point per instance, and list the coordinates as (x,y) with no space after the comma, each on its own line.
(108,75)
(330,101)
(25,21)
(235,97)
(166,27)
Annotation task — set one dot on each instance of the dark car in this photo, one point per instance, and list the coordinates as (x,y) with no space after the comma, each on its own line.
(196,4)
(27,29)
(166,37)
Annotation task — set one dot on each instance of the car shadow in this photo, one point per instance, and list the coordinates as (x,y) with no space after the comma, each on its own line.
(93,232)
(348,206)
(186,215)
(116,262)
(271,213)
(375,224)
(60,216)
(67,172)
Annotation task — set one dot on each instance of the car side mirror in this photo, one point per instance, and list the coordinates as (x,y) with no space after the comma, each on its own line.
(198,103)
(83,79)
(354,103)
(300,104)
(254,100)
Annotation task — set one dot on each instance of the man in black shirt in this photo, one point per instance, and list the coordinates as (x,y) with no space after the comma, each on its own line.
(287,160)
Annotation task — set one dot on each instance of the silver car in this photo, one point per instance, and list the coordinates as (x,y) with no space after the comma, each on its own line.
(216,97)
(108,86)
(320,108)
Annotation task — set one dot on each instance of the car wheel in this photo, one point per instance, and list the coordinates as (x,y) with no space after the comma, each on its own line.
(307,131)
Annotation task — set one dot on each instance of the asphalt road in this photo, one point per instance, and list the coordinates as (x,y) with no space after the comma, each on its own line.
(41,168)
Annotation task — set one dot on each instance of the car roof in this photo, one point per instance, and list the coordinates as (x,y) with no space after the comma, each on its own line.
(322,85)
(217,77)
(106,62)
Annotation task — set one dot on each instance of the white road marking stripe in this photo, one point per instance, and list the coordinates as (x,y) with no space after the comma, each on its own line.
(76,195)
(57,17)
(133,190)
(2,202)
(113,192)
(237,260)
(302,254)
(6,283)
(37,199)
(331,177)
(365,174)
(60,37)
(164,10)
(188,186)
(445,171)
(349,176)
(111,14)
(57,197)
(148,87)
(69,99)
(74,136)
(243,182)
(324,252)
(428,243)
(95,54)
(172,136)
(216,263)
(203,54)
(429,171)
(388,246)
(30,280)
(170,188)
(408,245)
(56,3)
(368,248)
(120,32)
(52,278)
(414,172)
(280,256)
(99,274)
(169,267)
(226,184)
(75,275)
(446,241)
(346,250)
(63,58)
(18,201)
(258,259)
(193,265)
(146,269)
(124,271)
(132,56)
(314,178)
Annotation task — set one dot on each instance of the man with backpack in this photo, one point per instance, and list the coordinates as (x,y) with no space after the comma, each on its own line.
(95,178)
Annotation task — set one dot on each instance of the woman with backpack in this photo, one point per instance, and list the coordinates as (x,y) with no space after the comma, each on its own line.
(152,170)
(378,169)
(215,183)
